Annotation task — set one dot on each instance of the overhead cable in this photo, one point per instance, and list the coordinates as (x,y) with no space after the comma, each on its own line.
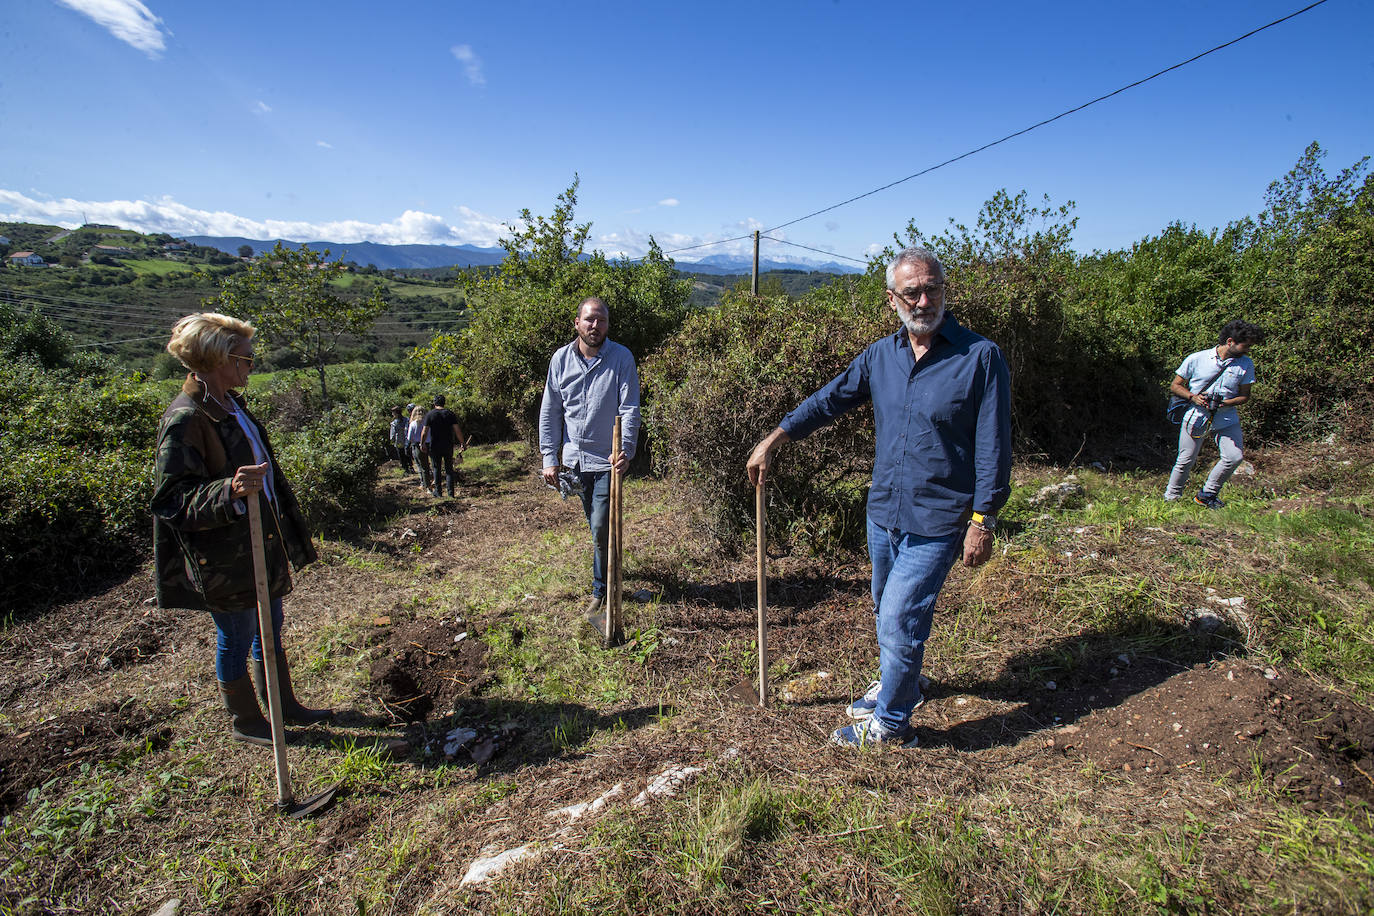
(832,254)
(1062,114)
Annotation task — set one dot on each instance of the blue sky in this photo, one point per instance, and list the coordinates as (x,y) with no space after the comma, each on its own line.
(437,122)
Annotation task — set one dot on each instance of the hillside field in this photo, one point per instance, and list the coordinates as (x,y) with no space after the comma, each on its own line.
(1124,717)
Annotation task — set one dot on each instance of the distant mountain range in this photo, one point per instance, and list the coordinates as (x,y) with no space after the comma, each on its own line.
(388,257)
(383,257)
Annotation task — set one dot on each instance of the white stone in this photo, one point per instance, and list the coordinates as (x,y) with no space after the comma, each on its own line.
(455,740)
(170,908)
(573,812)
(665,784)
(489,865)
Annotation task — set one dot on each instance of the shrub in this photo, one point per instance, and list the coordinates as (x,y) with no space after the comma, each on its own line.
(332,466)
(76,479)
(729,377)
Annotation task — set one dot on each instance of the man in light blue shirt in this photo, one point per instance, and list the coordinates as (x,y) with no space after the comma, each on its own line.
(1217,381)
(591,381)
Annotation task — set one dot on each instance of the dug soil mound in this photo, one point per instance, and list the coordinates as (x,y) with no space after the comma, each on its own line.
(1233,718)
(35,755)
(426,665)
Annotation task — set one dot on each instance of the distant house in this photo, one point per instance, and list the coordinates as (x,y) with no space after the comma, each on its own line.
(178,245)
(112,251)
(27,259)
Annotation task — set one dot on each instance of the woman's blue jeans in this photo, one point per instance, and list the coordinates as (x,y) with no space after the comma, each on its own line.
(237,631)
(596,502)
(908,573)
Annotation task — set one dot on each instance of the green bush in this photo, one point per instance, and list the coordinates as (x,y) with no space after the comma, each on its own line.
(332,466)
(727,379)
(76,479)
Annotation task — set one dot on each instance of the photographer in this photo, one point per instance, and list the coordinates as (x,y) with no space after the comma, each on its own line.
(1217,381)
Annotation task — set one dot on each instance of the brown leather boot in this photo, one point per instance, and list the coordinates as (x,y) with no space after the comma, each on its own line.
(249,724)
(291,709)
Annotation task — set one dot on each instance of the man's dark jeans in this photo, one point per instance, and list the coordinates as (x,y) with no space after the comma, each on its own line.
(596,502)
(446,459)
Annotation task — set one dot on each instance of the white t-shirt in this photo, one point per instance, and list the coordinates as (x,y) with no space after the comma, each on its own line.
(259,452)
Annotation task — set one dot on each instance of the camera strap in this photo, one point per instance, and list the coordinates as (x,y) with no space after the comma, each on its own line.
(1203,390)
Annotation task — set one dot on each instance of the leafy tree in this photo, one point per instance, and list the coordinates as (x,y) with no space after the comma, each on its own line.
(521,312)
(245,251)
(1310,282)
(288,297)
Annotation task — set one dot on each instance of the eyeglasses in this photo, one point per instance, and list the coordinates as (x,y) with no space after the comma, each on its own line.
(912,294)
(246,359)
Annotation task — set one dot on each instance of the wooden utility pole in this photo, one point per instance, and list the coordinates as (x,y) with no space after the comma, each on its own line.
(756,262)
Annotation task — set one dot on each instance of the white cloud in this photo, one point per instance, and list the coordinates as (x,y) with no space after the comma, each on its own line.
(472,64)
(128,20)
(413,227)
(668,202)
(261,107)
(831,225)
(323,145)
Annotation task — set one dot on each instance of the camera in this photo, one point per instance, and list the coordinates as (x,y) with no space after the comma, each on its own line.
(1214,401)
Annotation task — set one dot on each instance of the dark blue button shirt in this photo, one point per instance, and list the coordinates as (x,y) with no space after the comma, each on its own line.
(943,427)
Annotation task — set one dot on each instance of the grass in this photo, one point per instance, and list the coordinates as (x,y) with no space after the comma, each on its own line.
(157,267)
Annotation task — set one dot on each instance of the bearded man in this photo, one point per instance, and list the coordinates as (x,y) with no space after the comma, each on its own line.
(591,381)
(941,398)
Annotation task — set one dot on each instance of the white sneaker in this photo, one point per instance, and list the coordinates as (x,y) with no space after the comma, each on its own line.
(863,707)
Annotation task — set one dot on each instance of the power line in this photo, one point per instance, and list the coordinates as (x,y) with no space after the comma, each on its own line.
(706,244)
(1062,114)
(112,343)
(832,254)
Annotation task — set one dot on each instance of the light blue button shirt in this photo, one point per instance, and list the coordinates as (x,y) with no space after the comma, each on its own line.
(1198,367)
(582,398)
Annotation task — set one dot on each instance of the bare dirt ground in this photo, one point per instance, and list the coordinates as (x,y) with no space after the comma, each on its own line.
(437,620)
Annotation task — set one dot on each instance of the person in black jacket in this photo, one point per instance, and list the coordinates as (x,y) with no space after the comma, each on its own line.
(213,456)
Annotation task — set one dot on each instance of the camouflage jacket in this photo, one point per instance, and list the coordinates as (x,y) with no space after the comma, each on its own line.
(201,542)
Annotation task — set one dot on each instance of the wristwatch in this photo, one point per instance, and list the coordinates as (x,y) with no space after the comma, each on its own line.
(986,522)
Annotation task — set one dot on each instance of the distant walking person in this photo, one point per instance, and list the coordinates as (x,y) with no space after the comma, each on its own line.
(441,433)
(397,437)
(415,431)
(591,381)
(1217,380)
(941,399)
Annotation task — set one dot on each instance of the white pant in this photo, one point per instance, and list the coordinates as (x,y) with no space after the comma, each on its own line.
(1228,443)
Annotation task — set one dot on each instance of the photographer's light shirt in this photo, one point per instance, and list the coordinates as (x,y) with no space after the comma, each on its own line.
(1199,367)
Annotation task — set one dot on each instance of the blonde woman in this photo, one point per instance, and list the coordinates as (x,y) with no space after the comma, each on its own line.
(415,437)
(212,456)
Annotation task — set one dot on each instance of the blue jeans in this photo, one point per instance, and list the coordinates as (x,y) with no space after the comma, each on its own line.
(1229,443)
(596,502)
(236,632)
(908,572)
